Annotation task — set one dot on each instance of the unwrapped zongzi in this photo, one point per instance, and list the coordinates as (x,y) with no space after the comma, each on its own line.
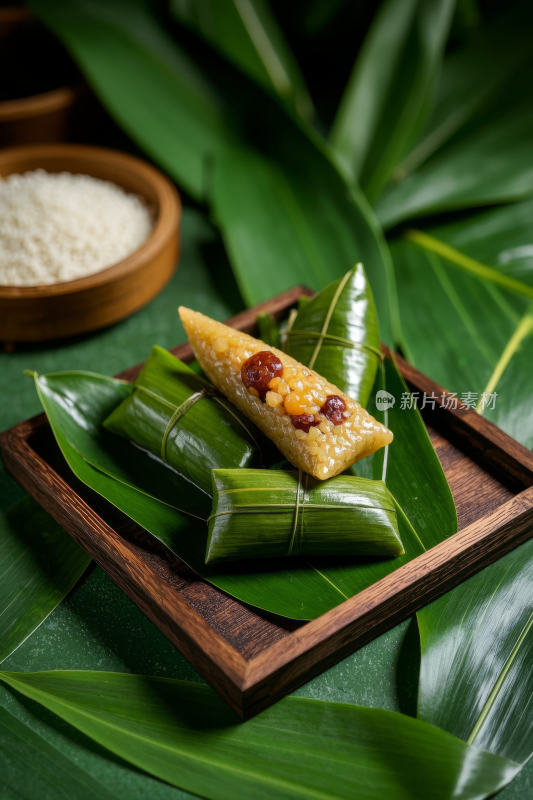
(176,415)
(317,427)
(271,513)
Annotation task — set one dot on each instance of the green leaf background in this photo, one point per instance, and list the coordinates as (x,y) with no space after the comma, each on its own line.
(455,296)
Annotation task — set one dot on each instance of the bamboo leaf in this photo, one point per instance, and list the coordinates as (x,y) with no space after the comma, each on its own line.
(473,79)
(455,281)
(184,734)
(477,649)
(174,413)
(286,215)
(294,588)
(477,148)
(31,766)
(336,333)
(390,89)
(247,33)
(287,218)
(262,513)
(39,565)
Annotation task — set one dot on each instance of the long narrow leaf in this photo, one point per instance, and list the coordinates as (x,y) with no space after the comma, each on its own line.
(455,282)
(474,78)
(286,215)
(390,89)
(247,33)
(183,733)
(476,148)
(39,565)
(476,677)
(296,588)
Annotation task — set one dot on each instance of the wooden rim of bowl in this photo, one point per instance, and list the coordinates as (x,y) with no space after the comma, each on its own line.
(166,224)
(36,104)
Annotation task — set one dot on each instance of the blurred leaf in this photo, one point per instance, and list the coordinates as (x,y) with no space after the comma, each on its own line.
(390,89)
(39,565)
(185,734)
(476,677)
(247,33)
(29,761)
(151,87)
(292,220)
(476,148)
(477,318)
(286,215)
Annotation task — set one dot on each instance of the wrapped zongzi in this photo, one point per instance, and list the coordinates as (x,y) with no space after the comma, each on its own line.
(176,415)
(317,427)
(336,333)
(272,513)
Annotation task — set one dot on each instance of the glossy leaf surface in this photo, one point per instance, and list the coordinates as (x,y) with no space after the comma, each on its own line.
(111,466)
(390,89)
(413,475)
(247,33)
(477,149)
(173,414)
(288,218)
(185,734)
(337,334)
(286,215)
(477,649)
(39,565)
(473,79)
(455,281)
(273,512)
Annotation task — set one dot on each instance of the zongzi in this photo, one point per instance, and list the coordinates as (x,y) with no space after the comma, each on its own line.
(336,333)
(317,427)
(270,513)
(177,416)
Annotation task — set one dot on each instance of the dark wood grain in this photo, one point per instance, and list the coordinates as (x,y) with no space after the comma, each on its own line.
(253,658)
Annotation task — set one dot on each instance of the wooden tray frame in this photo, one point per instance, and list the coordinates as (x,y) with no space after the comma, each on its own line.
(251,683)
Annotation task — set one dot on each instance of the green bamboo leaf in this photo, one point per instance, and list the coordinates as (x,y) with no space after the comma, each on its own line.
(286,215)
(262,513)
(31,766)
(269,330)
(390,89)
(292,208)
(185,734)
(337,334)
(482,117)
(476,679)
(152,496)
(455,298)
(39,565)
(414,476)
(247,33)
(472,79)
(175,414)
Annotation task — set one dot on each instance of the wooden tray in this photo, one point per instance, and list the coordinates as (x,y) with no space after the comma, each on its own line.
(253,658)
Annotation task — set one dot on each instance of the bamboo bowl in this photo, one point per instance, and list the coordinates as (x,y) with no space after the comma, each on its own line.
(44,117)
(39,313)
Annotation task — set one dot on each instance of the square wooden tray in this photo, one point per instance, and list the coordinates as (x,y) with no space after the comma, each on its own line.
(253,658)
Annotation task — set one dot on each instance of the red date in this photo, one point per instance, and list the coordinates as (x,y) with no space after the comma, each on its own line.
(333,409)
(258,370)
(305,421)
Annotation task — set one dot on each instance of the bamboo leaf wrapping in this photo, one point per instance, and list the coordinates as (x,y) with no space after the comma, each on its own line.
(269,513)
(337,334)
(174,414)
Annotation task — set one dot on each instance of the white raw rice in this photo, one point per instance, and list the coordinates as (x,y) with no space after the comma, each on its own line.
(60,227)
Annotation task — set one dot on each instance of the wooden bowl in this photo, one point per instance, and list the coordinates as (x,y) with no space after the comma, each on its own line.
(37,313)
(42,117)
